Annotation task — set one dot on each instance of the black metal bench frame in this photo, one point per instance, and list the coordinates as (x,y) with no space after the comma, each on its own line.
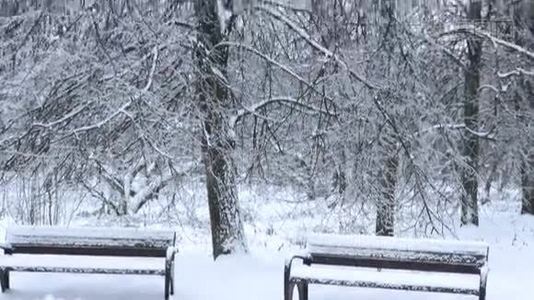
(364,261)
(168,253)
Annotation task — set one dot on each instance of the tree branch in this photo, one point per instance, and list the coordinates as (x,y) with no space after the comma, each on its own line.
(284,100)
(318,46)
(472,30)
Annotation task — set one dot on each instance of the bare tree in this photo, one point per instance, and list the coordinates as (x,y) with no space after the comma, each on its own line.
(469,199)
(527,163)
(385,218)
(214,101)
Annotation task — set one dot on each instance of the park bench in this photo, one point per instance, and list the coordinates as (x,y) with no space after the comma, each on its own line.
(88,250)
(454,267)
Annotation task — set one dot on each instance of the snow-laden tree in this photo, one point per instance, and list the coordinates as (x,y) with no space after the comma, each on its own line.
(213,95)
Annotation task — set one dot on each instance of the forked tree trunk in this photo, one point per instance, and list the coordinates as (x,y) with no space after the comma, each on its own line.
(217,141)
(469,171)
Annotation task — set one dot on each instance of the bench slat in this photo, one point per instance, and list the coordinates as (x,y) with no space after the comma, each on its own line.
(395,264)
(330,255)
(83,264)
(62,237)
(95,251)
(401,250)
(383,285)
(87,270)
(397,280)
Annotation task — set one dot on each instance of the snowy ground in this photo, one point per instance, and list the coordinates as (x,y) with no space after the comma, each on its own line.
(259,274)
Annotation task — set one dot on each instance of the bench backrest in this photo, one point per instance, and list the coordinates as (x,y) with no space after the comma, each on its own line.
(89,241)
(398,253)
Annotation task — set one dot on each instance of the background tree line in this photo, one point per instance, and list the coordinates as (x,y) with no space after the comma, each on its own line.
(386,110)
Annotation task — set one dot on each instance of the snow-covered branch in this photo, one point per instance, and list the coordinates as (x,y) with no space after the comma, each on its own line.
(280,100)
(485,135)
(66,117)
(282,67)
(329,54)
(473,30)
(121,110)
(152,70)
(516,72)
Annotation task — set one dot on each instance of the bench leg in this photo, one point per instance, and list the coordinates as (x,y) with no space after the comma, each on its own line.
(483,280)
(288,291)
(167,288)
(482,295)
(4,279)
(303,290)
(172,278)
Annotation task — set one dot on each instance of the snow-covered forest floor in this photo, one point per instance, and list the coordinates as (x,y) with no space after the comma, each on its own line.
(279,222)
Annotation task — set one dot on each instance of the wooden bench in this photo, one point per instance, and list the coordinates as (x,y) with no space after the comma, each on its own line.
(389,263)
(74,250)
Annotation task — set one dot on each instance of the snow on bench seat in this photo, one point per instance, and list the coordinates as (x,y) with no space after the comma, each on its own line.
(84,264)
(88,237)
(386,279)
(399,249)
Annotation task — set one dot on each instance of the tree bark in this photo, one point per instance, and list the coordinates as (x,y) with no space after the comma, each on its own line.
(527,184)
(470,151)
(527,163)
(385,211)
(217,142)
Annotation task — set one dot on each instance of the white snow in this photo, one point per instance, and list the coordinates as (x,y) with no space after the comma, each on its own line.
(318,241)
(259,275)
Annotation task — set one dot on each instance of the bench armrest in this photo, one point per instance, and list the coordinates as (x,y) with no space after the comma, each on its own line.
(289,262)
(288,289)
(6,248)
(171,252)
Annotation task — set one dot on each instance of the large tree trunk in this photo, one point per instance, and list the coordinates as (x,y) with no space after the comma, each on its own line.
(469,198)
(217,138)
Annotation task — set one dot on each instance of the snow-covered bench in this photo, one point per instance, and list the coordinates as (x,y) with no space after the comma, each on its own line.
(389,263)
(88,250)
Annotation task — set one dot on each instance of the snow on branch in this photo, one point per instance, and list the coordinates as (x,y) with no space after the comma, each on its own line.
(122,109)
(295,5)
(472,30)
(66,117)
(485,135)
(282,67)
(152,70)
(317,46)
(516,72)
(281,100)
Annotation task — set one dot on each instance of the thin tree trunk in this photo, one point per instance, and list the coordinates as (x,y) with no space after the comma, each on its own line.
(217,138)
(469,198)
(385,211)
(527,184)
(527,164)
